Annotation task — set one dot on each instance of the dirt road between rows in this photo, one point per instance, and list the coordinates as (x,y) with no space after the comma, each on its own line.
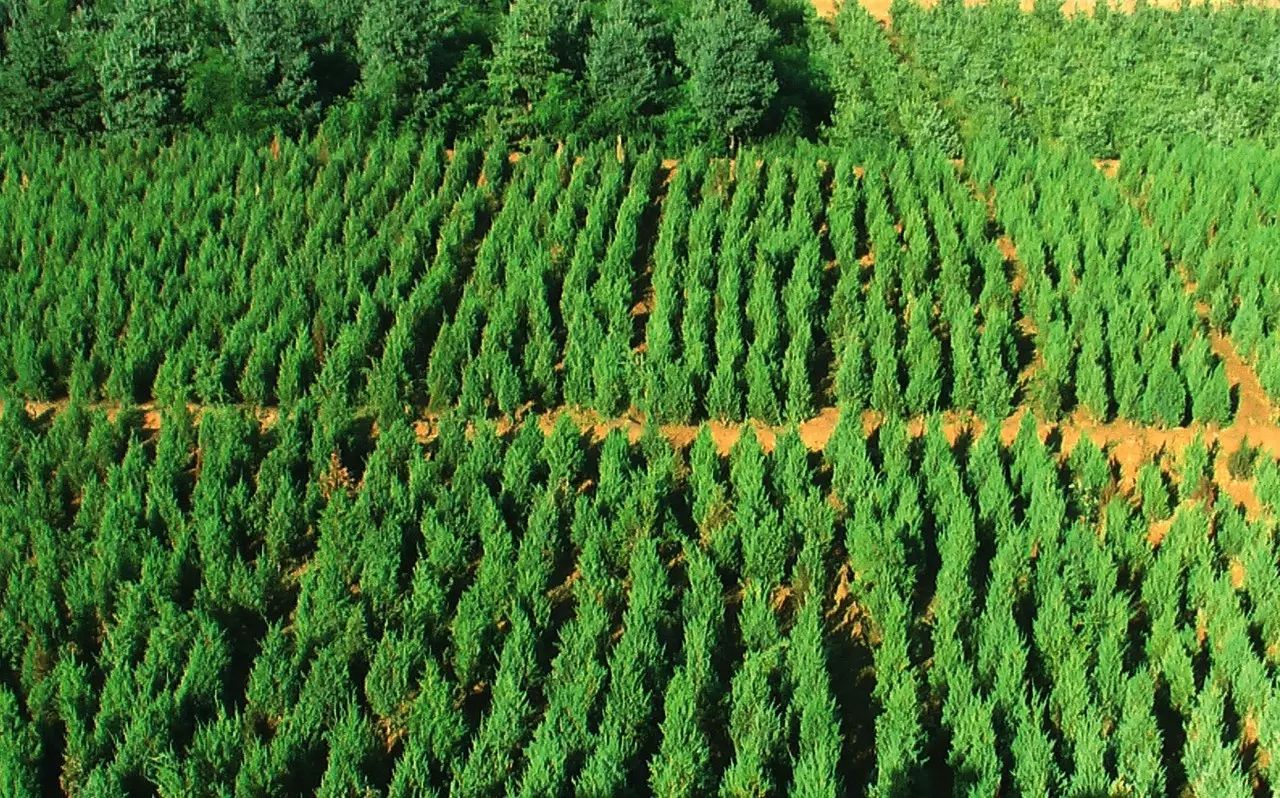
(880,8)
(1129,444)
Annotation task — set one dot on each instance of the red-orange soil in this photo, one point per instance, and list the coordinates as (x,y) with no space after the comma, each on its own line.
(880,8)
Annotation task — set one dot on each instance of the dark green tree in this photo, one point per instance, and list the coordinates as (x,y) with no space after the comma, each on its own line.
(623,70)
(147,50)
(274,47)
(535,57)
(401,45)
(724,46)
(45,78)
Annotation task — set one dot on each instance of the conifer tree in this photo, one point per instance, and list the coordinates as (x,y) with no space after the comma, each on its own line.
(45,82)
(1153,492)
(19,750)
(1138,740)
(924,363)
(1196,470)
(401,47)
(1126,376)
(997,388)
(725,46)
(964,373)
(146,52)
(1091,381)
(1165,399)
(680,768)
(885,386)
(852,384)
(623,70)
(815,770)
(1212,768)
(682,764)
(524,59)
(490,764)
(634,671)
(755,725)
(1212,401)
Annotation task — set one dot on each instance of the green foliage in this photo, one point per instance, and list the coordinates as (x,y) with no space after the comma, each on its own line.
(1055,76)
(504,286)
(46,82)
(533,57)
(146,51)
(1153,492)
(924,380)
(401,47)
(1240,463)
(275,51)
(484,614)
(622,65)
(324,588)
(724,47)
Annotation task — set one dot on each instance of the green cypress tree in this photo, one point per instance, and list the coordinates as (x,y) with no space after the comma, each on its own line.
(351,749)
(611,373)
(886,390)
(680,767)
(994,345)
(852,384)
(1091,379)
(1212,768)
(490,765)
(1034,770)
(1268,365)
(1153,492)
(1139,759)
(634,670)
(816,766)
(1196,471)
(964,373)
(755,726)
(20,750)
(1091,473)
(1126,376)
(682,764)
(1165,399)
(1212,402)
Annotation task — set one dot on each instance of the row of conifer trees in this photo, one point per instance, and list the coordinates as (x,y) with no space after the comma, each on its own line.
(403,276)
(222,607)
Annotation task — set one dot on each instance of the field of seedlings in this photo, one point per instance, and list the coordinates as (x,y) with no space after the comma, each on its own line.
(703,397)
(223,608)
(401,277)
(390,456)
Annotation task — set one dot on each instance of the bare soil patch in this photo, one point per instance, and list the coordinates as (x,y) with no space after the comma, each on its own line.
(828,8)
(880,8)
(1129,445)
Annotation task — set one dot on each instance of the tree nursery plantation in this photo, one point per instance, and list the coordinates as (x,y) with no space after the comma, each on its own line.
(619,398)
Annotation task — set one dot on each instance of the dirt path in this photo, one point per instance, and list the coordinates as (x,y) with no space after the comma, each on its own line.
(880,8)
(1130,445)
(1255,413)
